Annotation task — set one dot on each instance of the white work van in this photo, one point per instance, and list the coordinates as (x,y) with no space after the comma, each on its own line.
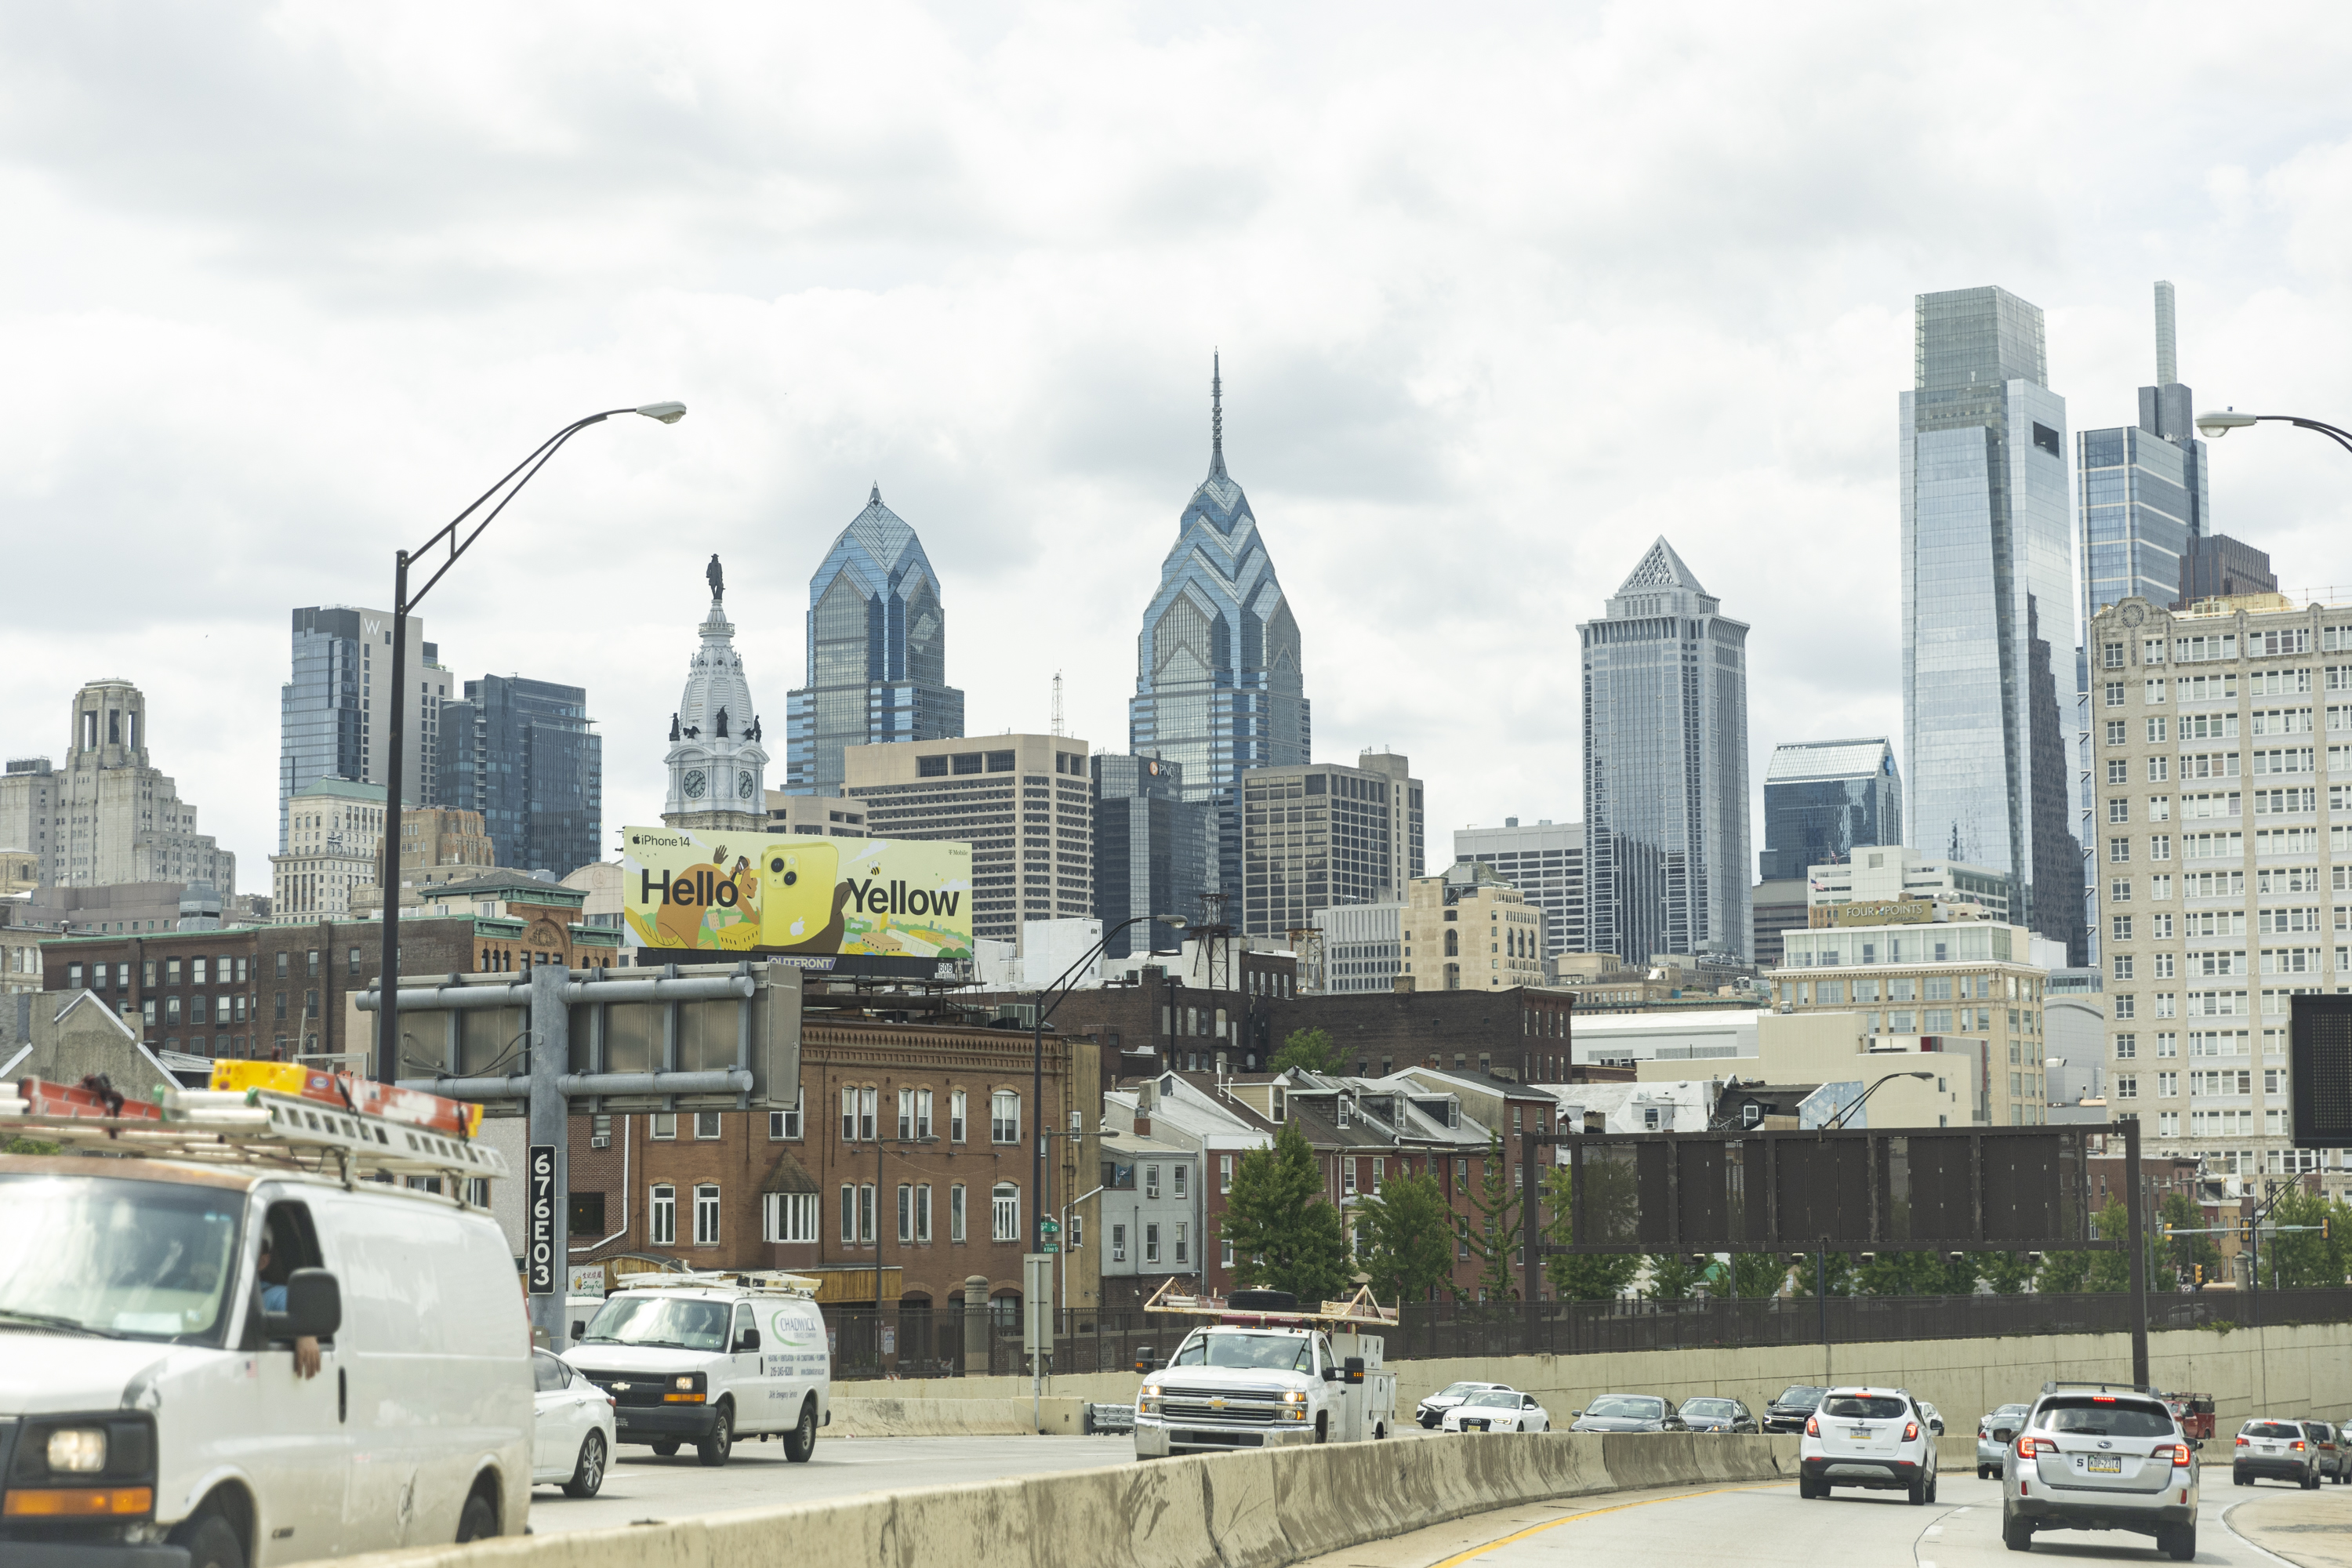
(1264,1374)
(212,1357)
(708,1358)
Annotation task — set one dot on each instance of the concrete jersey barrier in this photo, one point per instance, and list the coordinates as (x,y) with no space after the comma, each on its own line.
(1265,1509)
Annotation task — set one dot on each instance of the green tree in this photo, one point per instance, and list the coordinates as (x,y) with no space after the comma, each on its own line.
(2305,1257)
(2064,1273)
(1673,1277)
(2183,1254)
(1313,1049)
(1915,1274)
(1582,1276)
(1285,1236)
(31,1146)
(1404,1236)
(1494,1229)
(2007,1273)
(1841,1275)
(1756,1275)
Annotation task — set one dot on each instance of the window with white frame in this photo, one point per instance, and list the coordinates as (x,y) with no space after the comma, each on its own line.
(868,1103)
(706,1125)
(848,1215)
(1176,1180)
(664,1124)
(1004,1210)
(955,1115)
(1224,1172)
(1181,1255)
(923,1212)
(661,1217)
(849,1115)
(922,1114)
(1076,1240)
(1150,1181)
(1226,1255)
(865,1199)
(786,1124)
(1118,1244)
(788,1216)
(905,1211)
(955,1212)
(1004,1117)
(1152,1244)
(906,1113)
(706,1214)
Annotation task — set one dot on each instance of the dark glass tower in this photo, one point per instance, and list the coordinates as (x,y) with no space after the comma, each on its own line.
(1155,852)
(878,652)
(1218,682)
(521,752)
(1822,798)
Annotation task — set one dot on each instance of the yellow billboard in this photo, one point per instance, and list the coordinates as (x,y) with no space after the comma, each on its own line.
(796,893)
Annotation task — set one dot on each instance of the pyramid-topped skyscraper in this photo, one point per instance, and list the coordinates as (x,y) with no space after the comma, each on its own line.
(1665,770)
(1218,684)
(877,658)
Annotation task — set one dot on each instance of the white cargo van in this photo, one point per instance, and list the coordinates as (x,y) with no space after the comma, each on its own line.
(158,1315)
(707,1358)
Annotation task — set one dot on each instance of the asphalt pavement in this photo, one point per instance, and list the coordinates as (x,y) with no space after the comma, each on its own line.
(1769,1526)
(642,1486)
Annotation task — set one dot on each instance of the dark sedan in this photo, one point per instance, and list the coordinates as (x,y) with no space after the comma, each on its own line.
(1629,1413)
(1719,1416)
(1795,1406)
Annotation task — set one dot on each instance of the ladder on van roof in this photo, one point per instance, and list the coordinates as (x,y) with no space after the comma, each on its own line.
(275,1115)
(768,1281)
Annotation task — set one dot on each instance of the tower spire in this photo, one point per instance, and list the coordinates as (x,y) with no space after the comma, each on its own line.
(1216,413)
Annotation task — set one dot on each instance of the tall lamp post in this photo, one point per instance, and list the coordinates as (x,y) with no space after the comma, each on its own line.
(2213,427)
(1049,998)
(1834,1122)
(387,1052)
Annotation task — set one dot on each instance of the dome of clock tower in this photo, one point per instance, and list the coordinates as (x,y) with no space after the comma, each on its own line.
(718,765)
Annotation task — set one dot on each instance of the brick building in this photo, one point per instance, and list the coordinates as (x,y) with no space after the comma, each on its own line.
(1169,1018)
(1521,1033)
(844,1182)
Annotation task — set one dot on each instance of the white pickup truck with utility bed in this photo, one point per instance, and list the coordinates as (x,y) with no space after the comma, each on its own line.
(1263,1374)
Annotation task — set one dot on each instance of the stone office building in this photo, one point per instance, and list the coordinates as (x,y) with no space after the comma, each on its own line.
(109,816)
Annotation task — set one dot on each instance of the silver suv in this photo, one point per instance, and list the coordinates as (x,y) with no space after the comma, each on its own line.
(2101,1455)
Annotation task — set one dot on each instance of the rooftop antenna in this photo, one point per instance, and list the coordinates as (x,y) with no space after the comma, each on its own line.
(2167,368)
(1058,702)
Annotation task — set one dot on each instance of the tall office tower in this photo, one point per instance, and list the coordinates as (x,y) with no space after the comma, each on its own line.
(1155,852)
(107,816)
(1545,863)
(2143,489)
(338,843)
(1823,798)
(521,754)
(334,711)
(1218,687)
(1024,802)
(1408,842)
(1319,833)
(1987,591)
(2220,840)
(718,767)
(1665,769)
(2219,567)
(878,652)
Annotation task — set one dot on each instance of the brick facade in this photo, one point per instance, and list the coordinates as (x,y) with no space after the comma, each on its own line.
(1521,1033)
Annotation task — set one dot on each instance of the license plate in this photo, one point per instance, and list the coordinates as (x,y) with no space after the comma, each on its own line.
(2105,1465)
(1474,1426)
(1859,1434)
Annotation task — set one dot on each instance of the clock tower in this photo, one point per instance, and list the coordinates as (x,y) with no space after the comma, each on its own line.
(718,767)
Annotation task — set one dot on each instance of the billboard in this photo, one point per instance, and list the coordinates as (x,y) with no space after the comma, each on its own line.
(711,891)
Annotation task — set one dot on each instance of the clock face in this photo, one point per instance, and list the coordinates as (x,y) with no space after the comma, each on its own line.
(694,784)
(744,784)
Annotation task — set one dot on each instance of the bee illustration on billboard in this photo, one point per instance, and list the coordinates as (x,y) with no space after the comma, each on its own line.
(796,894)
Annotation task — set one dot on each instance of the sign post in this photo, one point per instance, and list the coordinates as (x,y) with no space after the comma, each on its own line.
(1037,1318)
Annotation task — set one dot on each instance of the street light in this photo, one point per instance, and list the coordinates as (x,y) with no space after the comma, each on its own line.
(387,1051)
(1837,1120)
(2213,427)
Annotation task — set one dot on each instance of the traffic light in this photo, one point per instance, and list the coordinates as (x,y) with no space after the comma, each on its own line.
(2323,1228)
(2200,1275)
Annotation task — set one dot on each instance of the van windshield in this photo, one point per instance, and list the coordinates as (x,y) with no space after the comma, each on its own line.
(660,1321)
(125,1259)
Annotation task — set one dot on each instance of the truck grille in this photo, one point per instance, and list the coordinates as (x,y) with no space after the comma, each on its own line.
(1233,1414)
(630,1388)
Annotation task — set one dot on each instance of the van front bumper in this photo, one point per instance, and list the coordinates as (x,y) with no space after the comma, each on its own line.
(662,1422)
(89,1554)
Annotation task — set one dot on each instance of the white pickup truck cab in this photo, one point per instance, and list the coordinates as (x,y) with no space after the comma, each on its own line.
(707,1358)
(1264,1376)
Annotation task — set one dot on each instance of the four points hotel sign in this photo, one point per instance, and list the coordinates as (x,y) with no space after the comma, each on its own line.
(746,892)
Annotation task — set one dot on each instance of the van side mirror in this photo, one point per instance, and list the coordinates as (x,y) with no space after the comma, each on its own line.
(749,1339)
(314,1307)
(579,1331)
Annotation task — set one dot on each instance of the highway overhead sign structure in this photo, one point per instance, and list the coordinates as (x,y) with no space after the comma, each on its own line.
(2320,1070)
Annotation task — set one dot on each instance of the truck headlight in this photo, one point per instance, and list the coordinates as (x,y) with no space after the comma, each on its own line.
(78,1450)
(1150,1390)
(1294,1397)
(1294,1413)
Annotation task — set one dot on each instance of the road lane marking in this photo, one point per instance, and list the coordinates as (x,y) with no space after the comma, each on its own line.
(1461,1557)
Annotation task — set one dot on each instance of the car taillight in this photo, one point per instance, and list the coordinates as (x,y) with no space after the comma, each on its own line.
(1983,1435)
(2296,1444)
(2179,1455)
(2027,1448)
(1910,1431)
(2241,1442)
(1812,1426)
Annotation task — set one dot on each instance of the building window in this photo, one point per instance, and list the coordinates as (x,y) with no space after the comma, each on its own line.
(353,960)
(1004,1206)
(706,1214)
(1118,1244)
(1004,1117)
(1176,1174)
(661,1217)
(664,1124)
(955,1212)
(786,1124)
(1150,1181)
(905,1114)
(1150,1244)
(174,966)
(865,1196)
(1224,1172)
(789,1216)
(923,1212)
(1226,1255)
(706,1125)
(906,1212)
(955,1116)
(1182,1252)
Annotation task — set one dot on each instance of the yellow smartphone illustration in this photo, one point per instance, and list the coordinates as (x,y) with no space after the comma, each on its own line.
(796,885)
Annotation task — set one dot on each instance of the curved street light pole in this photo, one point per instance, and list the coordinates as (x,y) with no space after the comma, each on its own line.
(387,1051)
(2213,427)
(1837,1121)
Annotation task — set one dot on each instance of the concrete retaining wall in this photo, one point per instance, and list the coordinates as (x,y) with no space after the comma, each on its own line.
(1261,1509)
(995,1417)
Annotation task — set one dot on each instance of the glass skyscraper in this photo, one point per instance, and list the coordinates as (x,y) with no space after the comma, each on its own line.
(521,754)
(2143,489)
(878,653)
(1822,798)
(334,710)
(1155,853)
(1218,687)
(1665,769)
(1987,591)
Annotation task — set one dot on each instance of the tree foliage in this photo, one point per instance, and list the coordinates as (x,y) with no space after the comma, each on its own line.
(2305,1258)
(1313,1049)
(1582,1276)
(1915,1274)
(1494,1229)
(1806,1278)
(2183,1254)
(1671,1277)
(1285,1236)
(2006,1273)
(1404,1238)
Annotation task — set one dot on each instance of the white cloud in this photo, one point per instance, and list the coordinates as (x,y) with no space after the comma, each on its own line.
(1501,295)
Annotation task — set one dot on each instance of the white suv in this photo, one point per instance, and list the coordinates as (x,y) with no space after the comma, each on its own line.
(2102,1456)
(1873,1438)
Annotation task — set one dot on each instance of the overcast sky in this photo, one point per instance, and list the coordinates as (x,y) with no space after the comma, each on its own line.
(1503,293)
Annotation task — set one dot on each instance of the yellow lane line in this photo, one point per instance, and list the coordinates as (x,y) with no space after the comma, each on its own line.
(1461,1557)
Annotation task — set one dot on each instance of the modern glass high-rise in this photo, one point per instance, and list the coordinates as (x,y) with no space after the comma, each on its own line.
(1823,798)
(1218,687)
(1665,769)
(1155,852)
(521,754)
(333,713)
(877,659)
(2143,489)
(1987,591)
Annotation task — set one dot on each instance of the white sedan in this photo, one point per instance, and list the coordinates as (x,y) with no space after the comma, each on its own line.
(572,1440)
(1497,1410)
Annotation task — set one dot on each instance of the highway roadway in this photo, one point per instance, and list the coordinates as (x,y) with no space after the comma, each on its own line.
(642,1486)
(1769,1526)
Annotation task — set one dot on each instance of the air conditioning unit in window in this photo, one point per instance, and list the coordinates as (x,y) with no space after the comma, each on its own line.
(603,1143)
